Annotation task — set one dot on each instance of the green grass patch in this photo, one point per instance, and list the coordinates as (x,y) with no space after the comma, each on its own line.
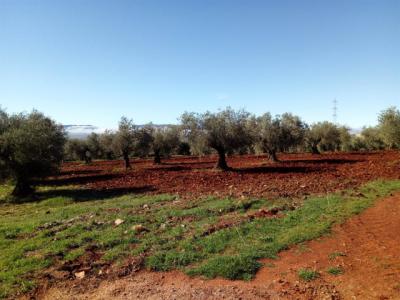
(60,224)
(336,254)
(308,274)
(231,267)
(335,271)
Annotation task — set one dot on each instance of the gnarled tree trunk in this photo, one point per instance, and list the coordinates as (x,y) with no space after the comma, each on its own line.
(157,157)
(22,188)
(127,162)
(221,163)
(314,149)
(272,156)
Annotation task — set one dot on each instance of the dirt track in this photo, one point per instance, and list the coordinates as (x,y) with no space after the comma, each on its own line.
(296,175)
(370,243)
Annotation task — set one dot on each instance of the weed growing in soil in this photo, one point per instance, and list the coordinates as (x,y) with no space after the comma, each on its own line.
(308,274)
(333,255)
(209,237)
(335,271)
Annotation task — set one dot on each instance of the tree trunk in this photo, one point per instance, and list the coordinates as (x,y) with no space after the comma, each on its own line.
(221,164)
(127,163)
(157,158)
(22,188)
(88,157)
(314,149)
(272,156)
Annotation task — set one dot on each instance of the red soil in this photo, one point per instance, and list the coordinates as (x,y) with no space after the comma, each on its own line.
(295,176)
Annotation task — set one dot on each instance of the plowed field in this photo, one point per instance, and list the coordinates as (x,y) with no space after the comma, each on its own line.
(296,175)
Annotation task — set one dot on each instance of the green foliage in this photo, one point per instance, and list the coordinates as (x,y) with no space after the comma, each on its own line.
(280,133)
(77,149)
(124,139)
(324,136)
(372,139)
(346,139)
(389,126)
(183,148)
(94,145)
(308,274)
(225,131)
(106,144)
(335,271)
(192,134)
(161,141)
(165,141)
(31,146)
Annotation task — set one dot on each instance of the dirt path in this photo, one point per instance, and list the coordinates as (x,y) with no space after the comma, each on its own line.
(367,247)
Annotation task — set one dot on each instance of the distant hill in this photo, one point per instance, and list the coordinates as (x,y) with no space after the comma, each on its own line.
(82,131)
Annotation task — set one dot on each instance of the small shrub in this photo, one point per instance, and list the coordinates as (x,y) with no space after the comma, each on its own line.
(333,255)
(308,274)
(335,271)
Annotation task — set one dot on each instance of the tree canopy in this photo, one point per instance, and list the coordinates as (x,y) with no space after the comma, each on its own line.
(31,146)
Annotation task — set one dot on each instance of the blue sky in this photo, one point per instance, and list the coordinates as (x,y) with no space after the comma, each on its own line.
(90,62)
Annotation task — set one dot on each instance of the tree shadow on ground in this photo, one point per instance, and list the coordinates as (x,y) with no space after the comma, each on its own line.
(333,161)
(276,169)
(192,162)
(78,172)
(57,181)
(161,167)
(84,194)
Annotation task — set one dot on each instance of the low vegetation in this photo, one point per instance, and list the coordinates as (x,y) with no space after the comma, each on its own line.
(308,274)
(203,237)
(335,271)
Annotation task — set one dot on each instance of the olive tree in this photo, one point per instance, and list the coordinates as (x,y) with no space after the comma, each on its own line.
(4,123)
(124,140)
(389,126)
(31,146)
(372,139)
(223,131)
(192,135)
(78,149)
(323,136)
(346,139)
(279,133)
(165,140)
(269,135)
(312,139)
(158,141)
(94,145)
(106,144)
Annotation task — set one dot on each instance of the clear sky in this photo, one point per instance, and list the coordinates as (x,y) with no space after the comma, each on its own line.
(90,62)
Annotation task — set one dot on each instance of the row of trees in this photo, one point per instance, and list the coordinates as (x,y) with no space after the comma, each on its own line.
(228,132)
(33,145)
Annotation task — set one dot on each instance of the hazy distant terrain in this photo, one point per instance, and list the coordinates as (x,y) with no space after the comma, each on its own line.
(82,131)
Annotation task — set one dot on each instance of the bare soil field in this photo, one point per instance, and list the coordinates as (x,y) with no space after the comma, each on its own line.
(366,248)
(296,175)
